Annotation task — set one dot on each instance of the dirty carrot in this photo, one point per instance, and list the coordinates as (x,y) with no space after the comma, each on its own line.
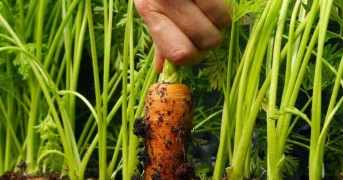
(166,129)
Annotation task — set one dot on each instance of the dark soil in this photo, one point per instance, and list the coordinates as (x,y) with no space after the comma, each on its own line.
(141,127)
(21,176)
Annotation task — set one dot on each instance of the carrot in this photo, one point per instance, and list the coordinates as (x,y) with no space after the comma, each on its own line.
(166,128)
(168,113)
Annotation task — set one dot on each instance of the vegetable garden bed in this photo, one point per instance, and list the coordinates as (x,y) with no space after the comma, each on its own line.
(267,103)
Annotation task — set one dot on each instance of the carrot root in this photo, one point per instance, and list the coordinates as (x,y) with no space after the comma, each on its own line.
(166,129)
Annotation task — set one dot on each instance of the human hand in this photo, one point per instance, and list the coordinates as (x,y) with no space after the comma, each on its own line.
(183,30)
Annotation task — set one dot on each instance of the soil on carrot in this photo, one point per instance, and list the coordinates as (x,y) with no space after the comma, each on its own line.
(20,176)
(164,133)
(141,127)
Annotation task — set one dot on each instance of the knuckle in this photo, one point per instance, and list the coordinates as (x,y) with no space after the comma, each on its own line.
(210,42)
(179,56)
(184,56)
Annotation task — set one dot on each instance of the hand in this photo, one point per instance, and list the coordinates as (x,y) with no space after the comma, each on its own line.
(183,30)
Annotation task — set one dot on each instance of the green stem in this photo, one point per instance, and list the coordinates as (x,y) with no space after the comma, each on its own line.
(273,156)
(133,140)
(247,59)
(247,102)
(31,136)
(8,152)
(318,136)
(151,76)
(113,162)
(170,73)
(94,60)
(65,131)
(56,17)
(67,41)
(39,30)
(292,49)
(2,149)
(81,26)
(319,153)
(93,144)
(9,124)
(88,130)
(126,60)
(315,169)
(59,32)
(298,71)
(36,96)
(102,125)
(29,19)
(22,20)
(236,169)
(225,138)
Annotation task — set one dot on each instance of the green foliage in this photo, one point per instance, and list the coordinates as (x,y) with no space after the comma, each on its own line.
(336,16)
(202,171)
(246,7)
(290,163)
(76,66)
(215,70)
(22,61)
(258,167)
(50,155)
(332,54)
(334,145)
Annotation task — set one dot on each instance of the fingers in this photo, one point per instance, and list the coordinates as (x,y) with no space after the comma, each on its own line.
(183,30)
(169,39)
(216,11)
(193,22)
(172,43)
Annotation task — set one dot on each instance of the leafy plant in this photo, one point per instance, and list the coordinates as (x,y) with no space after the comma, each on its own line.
(50,155)
(272,88)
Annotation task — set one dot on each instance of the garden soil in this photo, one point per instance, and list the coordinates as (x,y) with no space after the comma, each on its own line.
(21,176)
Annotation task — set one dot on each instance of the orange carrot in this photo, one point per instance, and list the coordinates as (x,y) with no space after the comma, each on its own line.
(168,109)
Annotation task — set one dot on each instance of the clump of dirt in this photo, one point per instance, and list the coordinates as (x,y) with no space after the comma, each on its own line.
(141,127)
(141,130)
(20,176)
(143,156)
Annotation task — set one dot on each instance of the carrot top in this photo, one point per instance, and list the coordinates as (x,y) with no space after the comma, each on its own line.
(170,73)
